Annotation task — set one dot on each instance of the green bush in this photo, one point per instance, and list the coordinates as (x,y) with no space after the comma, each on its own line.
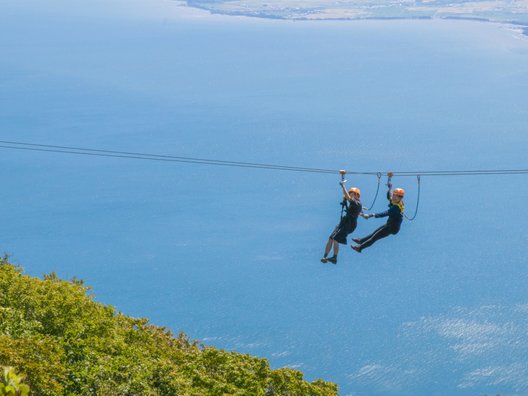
(67,344)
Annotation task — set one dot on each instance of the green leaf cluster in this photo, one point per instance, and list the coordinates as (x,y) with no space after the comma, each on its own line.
(64,343)
(11,383)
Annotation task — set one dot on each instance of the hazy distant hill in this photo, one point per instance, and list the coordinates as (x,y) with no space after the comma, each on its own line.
(494,10)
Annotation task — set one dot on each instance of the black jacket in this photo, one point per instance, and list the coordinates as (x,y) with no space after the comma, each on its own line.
(395,214)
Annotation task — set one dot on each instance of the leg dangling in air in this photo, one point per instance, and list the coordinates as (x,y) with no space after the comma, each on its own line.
(382,232)
(329,245)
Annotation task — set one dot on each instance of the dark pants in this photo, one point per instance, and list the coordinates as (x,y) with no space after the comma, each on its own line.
(342,230)
(382,232)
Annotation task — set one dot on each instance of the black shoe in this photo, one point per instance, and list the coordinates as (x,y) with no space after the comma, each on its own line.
(324,260)
(356,248)
(357,240)
(333,260)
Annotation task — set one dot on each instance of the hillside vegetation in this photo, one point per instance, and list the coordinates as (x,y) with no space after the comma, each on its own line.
(64,343)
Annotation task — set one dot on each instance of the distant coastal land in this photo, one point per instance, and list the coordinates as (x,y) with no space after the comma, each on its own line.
(500,11)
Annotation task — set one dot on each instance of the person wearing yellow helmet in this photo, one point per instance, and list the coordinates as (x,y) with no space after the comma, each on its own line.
(395,218)
(351,209)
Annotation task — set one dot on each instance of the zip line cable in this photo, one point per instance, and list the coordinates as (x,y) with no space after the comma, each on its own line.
(155,157)
(149,157)
(464,172)
(14,145)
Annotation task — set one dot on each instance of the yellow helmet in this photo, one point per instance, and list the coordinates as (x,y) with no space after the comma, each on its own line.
(355,190)
(400,192)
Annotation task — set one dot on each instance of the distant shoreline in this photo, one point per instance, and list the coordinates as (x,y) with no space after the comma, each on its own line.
(256,14)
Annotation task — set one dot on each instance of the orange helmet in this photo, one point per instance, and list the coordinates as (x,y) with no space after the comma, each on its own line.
(355,190)
(400,192)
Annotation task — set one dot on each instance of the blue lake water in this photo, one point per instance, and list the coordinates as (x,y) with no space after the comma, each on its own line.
(230,255)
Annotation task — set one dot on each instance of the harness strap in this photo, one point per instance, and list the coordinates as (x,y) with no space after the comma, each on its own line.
(377,192)
(417,201)
(343,206)
(400,205)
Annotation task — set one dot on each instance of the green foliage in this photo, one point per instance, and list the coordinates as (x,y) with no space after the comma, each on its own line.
(11,383)
(286,381)
(66,344)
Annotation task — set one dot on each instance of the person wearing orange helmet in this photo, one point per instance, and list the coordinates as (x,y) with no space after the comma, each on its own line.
(395,218)
(351,209)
